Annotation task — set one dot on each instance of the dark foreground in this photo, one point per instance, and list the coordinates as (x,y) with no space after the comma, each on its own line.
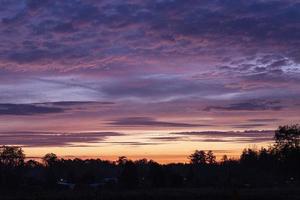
(165,194)
(271,173)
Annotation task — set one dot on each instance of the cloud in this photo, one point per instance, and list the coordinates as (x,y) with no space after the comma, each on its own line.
(169,138)
(47,107)
(264,120)
(86,30)
(249,126)
(73,103)
(254,105)
(42,139)
(238,140)
(45,54)
(148,121)
(55,26)
(252,133)
(28,109)
(162,87)
(135,143)
(166,58)
(251,136)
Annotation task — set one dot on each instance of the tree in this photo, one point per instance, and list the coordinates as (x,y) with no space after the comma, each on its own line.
(33,164)
(129,175)
(50,159)
(287,137)
(11,156)
(122,160)
(249,156)
(224,158)
(198,157)
(156,175)
(210,157)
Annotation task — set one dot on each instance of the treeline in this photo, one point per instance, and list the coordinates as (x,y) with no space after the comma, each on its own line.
(277,165)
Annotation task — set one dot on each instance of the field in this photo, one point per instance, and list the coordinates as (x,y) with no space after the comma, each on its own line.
(157,194)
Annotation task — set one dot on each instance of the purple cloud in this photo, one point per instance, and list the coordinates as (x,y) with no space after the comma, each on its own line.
(47,139)
(251,136)
(105,65)
(254,105)
(27,109)
(148,121)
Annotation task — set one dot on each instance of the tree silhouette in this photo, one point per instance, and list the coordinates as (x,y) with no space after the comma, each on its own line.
(210,157)
(129,175)
(32,164)
(122,160)
(11,163)
(288,137)
(198,157)
(50,159)
(277,165)
(11,156)
(156,175)
(224,158)
(249,156)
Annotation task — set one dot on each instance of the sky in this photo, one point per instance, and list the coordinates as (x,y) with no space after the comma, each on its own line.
(147,78)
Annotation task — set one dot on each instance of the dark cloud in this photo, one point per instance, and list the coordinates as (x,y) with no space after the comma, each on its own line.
(264,120)
(214,140)
(169,138)
(254,105)
(53,26)
(42,54)
(35,4)
(249,126)
(73,103)
(279,63)
(254,140)
(251,136)
(135,143)
(37,139)
(251,133)
(256,19)
(238,140)
(28,109)
(148,121)
(46,107)
(222,22)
